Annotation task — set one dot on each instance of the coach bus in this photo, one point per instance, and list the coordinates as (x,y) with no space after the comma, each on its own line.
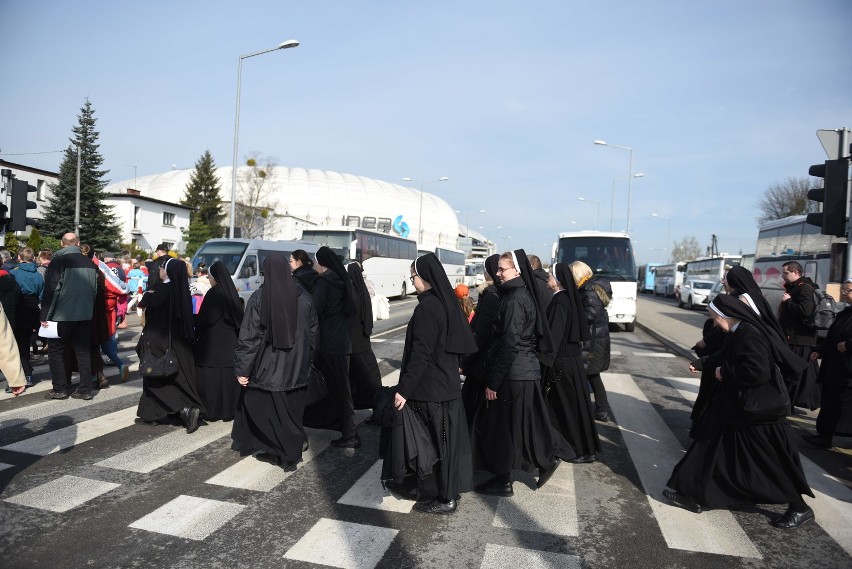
(712,269)
(647,275)
(454,264)
(386,259)
(610,256)
(792,239)
(668,278)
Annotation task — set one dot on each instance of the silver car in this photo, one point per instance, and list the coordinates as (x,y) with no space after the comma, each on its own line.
(695,292)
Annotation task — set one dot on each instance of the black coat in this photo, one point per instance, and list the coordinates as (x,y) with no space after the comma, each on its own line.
(360,340)
(216,332)
(428,372)
(832,369)
(307,277)
(483,331)
(154,272)
(513,352)
(266,367)
(746,363)
(335,327)
(793,313)
(596,352)
(559,319)
(544,291)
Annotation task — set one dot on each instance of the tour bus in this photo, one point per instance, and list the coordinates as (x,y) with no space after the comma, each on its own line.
(647,275)
(386,259)
(454,264)
(668,278)
(712,269)
(244,259)
(610,256)
(474,273)
(792,239)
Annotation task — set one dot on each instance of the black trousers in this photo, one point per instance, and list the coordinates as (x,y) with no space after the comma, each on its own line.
(26,322)
(335,370)
(836,397)
(601,401)
(75,336)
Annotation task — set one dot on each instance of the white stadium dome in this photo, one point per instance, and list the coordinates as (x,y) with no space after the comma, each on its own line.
(319,197)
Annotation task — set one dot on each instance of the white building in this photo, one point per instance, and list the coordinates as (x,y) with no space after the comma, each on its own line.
(40,179)
(146,222)
(305,198)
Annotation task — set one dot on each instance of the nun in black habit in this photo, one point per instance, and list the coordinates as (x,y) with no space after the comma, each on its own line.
(473,365)
(276,344)
(566,387)
(335,306)
(217,328)
(512,429)
(364,376)
(429,383)
(169,325)
(741,459)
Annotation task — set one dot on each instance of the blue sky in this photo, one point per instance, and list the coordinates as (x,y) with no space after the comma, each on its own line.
(719,100)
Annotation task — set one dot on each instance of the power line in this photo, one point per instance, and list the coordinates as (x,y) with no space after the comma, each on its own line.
(30,153)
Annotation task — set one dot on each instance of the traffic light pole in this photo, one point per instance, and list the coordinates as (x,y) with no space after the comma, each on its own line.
(845,151)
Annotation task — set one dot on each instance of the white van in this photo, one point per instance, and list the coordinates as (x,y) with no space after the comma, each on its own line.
(244,258)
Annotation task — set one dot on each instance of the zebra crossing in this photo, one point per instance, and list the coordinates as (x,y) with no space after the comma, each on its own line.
(89,463)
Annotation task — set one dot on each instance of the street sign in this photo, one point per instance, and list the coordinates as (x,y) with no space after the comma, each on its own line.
(832,141)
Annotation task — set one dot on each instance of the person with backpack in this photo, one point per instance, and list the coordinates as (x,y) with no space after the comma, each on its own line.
(794,314)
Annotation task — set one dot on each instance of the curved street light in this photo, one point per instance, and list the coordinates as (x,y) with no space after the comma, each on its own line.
(283,45)
(629,175)
(420,221)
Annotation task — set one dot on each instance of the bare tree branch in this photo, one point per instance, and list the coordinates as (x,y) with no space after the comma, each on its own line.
(785,199)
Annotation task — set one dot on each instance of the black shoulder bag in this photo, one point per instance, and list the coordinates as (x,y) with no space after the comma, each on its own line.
(768,402)
(162,366)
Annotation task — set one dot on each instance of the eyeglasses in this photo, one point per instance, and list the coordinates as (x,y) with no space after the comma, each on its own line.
(501,269)
(845,290)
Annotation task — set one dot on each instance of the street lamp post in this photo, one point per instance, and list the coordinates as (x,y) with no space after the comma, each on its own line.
(612,199)
(598,204)
(283,45)
(420,221)
(669,242)
(467,225)
(629,176)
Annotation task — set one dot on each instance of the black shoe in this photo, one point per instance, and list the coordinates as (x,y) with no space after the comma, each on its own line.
(401,490)
(371,420)
(494,488)
(347,442)
(305,446)
(56,395)
(585,459)
(190,416)
(819,440)
(268,457)
(603,416)
(436,507)
(84,396)
(792,519)
(680,501)
(544,475)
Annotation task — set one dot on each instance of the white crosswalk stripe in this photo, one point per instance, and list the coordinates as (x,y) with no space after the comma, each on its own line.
(343,544)
(189,517)
(63,494)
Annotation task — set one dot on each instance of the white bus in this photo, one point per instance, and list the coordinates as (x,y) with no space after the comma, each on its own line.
(386,259)
(610,256)
(244,259)
(712,269)
(454,264)
(474,273)
(668,278)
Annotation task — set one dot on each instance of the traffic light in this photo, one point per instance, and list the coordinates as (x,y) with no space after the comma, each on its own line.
(18,220)
(834,196)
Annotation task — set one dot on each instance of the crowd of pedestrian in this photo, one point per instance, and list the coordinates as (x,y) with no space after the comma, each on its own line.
(510,383)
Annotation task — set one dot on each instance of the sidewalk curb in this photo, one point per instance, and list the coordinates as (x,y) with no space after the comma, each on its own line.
(674,346)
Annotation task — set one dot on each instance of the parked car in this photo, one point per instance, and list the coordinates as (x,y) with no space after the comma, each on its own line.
(695,292)
(717,289)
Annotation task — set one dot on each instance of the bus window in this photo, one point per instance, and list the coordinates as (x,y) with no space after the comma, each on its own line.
(393,248)
(382,246)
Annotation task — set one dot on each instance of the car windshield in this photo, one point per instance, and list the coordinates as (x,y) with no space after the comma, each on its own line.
(706,285)
(229,253)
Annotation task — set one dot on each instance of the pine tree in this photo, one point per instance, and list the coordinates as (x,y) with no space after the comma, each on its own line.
(203,194)
(98,225)
(34,240)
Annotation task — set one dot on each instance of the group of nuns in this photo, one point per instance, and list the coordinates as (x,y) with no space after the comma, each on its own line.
(743,451)
(506,416)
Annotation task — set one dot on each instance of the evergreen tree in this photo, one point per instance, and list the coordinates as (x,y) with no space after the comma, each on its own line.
(34,240)
(98,225)
(203,194)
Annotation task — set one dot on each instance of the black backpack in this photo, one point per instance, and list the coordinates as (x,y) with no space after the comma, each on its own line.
(824,310)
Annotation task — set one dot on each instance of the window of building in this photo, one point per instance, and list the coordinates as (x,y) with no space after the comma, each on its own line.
(168,218)
(136,210)
(40,190)
(169,245)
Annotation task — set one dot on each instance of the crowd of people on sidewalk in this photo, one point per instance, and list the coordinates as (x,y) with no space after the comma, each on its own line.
(512,383)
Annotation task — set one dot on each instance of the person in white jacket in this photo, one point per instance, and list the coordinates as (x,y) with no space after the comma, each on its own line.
(10,359)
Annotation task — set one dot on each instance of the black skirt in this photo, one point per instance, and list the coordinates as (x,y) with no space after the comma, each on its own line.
(163,396)
(569,405)
(365,379)
(757,464)
(219,391)
(270,422)
(514,432)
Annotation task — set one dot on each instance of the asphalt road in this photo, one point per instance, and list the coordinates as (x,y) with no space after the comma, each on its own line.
(81,485)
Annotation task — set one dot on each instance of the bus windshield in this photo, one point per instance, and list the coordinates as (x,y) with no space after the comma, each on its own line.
(337,241)
(227,252)
(610,257)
